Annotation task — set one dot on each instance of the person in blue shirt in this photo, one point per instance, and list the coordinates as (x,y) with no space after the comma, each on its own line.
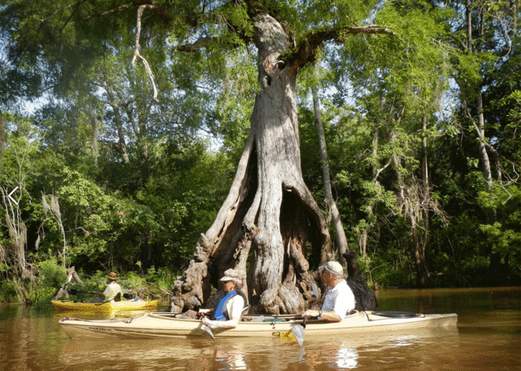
(228,311)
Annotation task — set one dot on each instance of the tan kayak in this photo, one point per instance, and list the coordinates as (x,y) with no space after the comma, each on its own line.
(164,325)
(124,305)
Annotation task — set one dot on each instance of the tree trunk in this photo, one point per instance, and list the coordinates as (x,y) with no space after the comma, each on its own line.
(362,238)
(362,242)
(118,121)
(141,135)
(2,134)
(94,140)
(397,165)
(17,232)
(269,223)
(468,15)
(411,207)
(421,243)
(340,236)
(514,16)
(485,160)
(122,144)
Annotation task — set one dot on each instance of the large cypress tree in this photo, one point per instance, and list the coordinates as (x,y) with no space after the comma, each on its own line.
(269,226)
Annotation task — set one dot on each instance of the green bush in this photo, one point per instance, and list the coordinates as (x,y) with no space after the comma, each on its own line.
(7,292)
(51,274)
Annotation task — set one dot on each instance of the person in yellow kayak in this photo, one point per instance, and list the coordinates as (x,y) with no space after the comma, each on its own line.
(113,290)
(228,311)
(338,299)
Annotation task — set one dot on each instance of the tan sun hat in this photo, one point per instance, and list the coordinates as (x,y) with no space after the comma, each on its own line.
(232,275)
(112,276)
(333,267)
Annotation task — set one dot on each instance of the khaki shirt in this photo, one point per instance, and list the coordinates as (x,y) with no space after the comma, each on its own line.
(112,290)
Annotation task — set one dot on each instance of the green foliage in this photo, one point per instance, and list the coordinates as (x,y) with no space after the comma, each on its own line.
(138,180)
(503,235)
(51,274)
(8,292)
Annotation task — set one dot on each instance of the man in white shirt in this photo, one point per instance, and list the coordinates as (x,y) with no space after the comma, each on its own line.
(113,290)
(339,299)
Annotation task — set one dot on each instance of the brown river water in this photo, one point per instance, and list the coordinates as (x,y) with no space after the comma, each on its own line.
(488,337)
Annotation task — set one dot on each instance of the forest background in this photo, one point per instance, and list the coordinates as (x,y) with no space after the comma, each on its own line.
(422,130)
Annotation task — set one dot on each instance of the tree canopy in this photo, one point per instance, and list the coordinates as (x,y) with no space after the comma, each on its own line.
(134,115)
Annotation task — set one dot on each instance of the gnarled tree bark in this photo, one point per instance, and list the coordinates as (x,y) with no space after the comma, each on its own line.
(269,221)
(269,225)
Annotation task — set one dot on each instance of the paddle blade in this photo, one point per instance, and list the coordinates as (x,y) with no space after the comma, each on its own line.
(207,330)
(297,330)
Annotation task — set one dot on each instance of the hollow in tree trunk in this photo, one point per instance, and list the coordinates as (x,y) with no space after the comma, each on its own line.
(269,225)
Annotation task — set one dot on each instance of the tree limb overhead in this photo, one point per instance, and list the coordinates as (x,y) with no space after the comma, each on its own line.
(306,49)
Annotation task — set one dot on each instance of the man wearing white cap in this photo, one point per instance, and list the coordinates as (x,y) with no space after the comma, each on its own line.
(228,310)
(339,299)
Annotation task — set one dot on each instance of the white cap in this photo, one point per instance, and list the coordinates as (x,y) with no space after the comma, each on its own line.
(333,267)
(232,275)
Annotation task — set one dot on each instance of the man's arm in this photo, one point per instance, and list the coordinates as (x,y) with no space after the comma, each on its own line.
(329,316)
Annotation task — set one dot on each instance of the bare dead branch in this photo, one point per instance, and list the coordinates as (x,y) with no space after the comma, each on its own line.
(113,10)
(379,171)
(506,36)
(137,50)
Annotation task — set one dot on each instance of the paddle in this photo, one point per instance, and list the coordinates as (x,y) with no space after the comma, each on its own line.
(207,330)
(297,330)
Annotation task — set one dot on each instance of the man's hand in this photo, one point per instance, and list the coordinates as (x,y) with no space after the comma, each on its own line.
(311,313)
(202,313)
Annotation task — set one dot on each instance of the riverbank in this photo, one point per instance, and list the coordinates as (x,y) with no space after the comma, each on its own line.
(40,290)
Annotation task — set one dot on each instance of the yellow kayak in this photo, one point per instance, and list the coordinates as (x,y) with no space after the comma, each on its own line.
(105,307)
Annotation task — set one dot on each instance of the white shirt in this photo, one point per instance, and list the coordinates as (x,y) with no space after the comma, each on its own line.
(234,307)
(112,289)
(339,299)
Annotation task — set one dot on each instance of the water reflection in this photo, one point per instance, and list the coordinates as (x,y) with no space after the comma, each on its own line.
(403,341)
(231,360)
(41,340)
(346,358)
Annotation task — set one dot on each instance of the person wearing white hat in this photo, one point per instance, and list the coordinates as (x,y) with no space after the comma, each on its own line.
(339,299)
(228,310)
